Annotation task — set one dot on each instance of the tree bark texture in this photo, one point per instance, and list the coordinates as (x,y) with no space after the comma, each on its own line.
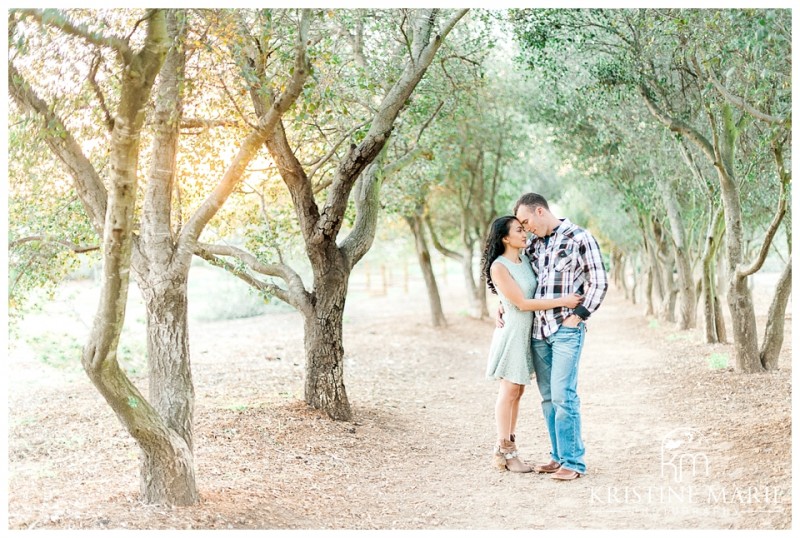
(324,384)
(773,334)
(167,468)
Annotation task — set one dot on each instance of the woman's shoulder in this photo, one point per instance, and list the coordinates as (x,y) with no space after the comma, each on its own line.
(508,264)
(499,263)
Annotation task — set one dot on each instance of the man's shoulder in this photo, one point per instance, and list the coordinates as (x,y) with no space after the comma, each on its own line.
(571,230)
(578,234)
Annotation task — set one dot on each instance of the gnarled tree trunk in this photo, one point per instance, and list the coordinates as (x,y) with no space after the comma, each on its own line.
(324,384)
(171,390)
(773,334)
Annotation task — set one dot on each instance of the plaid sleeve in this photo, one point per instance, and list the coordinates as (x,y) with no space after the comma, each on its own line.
(595,274)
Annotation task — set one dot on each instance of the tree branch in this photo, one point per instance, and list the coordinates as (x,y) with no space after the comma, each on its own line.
(253,282)
(423,48)
(330,154)
(438,244)
(677,125)
(56,19)
(266,126)
(741,104)
(323,183)
(295,294)
(776,219)
(263,204)
(235,104)
(93,81)
(451,23)
(88,183)
(156,229)
(428,121)
(78,249)
(367,201)
(200,123)
(409,157)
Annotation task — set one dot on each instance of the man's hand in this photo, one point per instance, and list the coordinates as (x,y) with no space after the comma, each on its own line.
(572,321)
(498,320)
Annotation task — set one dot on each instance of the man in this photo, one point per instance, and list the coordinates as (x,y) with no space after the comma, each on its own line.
(566,259)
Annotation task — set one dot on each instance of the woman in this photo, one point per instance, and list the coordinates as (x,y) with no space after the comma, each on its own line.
(509,275)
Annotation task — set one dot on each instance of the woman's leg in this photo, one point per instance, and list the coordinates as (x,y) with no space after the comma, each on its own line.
(505,455)
(515,410)
(504,409)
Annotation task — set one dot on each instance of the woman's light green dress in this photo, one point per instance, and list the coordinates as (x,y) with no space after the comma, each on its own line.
(510,355)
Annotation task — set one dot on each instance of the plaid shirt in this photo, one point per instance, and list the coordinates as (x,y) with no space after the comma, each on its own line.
(567,261)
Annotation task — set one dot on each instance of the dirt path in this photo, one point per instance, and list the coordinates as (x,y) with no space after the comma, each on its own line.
(417,454)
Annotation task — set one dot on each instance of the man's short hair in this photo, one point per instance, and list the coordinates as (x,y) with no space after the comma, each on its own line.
(532,200)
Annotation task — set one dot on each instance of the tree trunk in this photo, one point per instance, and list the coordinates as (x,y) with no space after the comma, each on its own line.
(168,467)
(482,299)
(476,308)
(324,386)
(685,284)
(711,314)
(169,367)
(740,298)
(618,272)
(648,291)
(167,464)
(424,256)
(722,332)
(670,298)
(656,271)
(635,280)
(745,335)
(773,335)
(667,310)
(709,301)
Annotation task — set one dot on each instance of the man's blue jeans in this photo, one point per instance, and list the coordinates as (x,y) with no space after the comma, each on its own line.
(555,361)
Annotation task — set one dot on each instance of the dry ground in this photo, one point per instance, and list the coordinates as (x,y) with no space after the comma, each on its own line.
(417,454)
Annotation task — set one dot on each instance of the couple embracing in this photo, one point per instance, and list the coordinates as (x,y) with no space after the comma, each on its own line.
(548,286)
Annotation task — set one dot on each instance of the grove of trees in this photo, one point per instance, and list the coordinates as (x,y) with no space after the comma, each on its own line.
(273,143)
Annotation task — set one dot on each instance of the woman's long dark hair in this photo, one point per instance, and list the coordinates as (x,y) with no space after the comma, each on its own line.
(494,247)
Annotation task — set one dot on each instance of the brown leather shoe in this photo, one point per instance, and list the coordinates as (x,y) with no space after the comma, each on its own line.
(508,452)
(551,467)
(565,474)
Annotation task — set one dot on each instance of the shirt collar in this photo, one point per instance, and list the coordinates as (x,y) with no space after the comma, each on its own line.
(563,227)
(560,229)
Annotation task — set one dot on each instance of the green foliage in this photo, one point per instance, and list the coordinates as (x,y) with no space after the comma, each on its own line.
(63,351)
(59,350)
(718,361)
(591,66)
(44,218)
